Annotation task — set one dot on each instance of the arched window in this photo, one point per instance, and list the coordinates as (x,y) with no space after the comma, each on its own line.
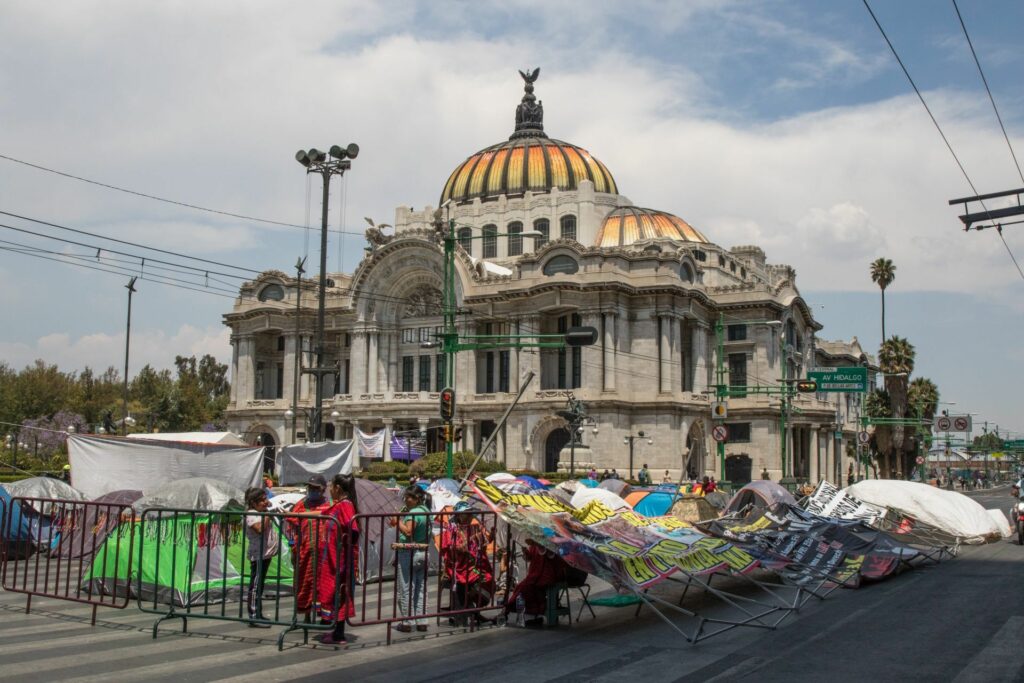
(490,233)
(561,264)
(568,227)
(272,293)
(686,273)
(542,226)
(466,239)
(515,239)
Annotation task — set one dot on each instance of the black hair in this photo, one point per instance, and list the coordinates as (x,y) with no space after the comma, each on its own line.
(414,491)
(254,495)
(347,483)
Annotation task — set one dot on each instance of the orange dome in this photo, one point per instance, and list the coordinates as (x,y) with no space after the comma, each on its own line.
(628,224)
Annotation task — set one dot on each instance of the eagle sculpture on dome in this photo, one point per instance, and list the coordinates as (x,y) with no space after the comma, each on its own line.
(530,112)
(531,77)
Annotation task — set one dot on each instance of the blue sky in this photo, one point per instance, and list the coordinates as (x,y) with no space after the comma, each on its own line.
(783,124)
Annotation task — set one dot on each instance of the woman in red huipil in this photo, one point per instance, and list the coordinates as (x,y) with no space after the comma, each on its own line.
(334,582)
(464,545)
(305,538)
(544,569)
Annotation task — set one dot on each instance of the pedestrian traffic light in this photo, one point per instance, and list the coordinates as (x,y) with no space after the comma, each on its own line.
(807,386)
(719,410)
(447,404)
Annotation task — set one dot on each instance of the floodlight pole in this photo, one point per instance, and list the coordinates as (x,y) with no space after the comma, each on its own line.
(127,339)
(299,270)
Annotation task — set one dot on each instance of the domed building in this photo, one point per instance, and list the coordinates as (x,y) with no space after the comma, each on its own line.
(546,242)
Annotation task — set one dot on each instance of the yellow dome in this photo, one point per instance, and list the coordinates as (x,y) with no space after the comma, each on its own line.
(628,224)
(528,161)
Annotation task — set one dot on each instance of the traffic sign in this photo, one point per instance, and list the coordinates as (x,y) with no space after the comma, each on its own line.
(847,379)
(719,410)
(961,423)
(1014,443)
(863,438)
(943,424)
(720,433)
(920,460)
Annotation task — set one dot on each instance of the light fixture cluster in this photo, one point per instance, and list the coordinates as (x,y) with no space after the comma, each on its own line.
(314,157)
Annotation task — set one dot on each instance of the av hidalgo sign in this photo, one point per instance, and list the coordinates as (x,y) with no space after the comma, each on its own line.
(840,379)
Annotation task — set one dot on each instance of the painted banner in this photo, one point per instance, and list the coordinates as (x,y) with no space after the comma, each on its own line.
(621,546)
(829,501)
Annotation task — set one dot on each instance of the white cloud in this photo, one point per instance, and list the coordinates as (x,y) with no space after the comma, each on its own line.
(99,350)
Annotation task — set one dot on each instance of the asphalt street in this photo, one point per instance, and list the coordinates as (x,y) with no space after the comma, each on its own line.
(961,620)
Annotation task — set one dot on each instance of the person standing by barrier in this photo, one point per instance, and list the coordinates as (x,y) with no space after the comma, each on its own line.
(411,559)
(464,544)
(334,584)
(263,544)
(305,537)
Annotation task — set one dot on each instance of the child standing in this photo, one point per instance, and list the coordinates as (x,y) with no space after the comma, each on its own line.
(263,544)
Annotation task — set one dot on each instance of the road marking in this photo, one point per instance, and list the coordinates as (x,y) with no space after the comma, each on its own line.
(1001,660)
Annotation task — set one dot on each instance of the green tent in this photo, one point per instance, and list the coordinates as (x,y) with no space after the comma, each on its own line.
(182,560)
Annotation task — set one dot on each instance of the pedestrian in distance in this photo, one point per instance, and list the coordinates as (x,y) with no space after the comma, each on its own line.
(413,525)
(764,474)
(592,474)
(666,479)
(306,532)
(263,542)
(338,559)
(645,476)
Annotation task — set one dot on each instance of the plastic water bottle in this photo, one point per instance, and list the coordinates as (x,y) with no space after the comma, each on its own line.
(520,610)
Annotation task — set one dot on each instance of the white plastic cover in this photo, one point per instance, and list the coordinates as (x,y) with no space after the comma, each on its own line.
(192,494)
(101,464)
(949,511)
(223,438)
(584,495)
(298,462)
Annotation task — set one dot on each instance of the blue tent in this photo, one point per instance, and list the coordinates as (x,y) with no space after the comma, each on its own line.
(15,531)
(651,503)
(531,481)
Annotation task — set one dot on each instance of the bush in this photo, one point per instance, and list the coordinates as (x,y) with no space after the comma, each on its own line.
(381,467)
(434,465)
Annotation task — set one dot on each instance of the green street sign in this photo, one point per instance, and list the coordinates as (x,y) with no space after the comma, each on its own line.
(1014,443)
(840,379)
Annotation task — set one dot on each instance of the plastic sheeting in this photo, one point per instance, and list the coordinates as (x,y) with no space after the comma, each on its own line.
(222,438)
(101,464)
(193,494)
(584,496)
(948,511)
(298,462)
(44,487)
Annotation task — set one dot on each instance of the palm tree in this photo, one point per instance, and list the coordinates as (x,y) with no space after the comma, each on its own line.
(896,359)
(883,272)
(877,405)
(923,398)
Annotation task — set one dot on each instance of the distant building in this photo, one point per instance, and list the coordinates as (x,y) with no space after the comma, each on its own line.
(650,283)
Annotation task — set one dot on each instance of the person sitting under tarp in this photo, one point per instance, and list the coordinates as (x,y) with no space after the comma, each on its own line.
(544,569)
(467,569)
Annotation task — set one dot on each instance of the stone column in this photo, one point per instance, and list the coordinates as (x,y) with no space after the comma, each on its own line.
(591,379)
(388,428)
(394,366)
(288,385)
(373,363)
(234,369)
(608,349)
(247,369)
(357,370)
(816,460)
(529,359)
(513,362)
(664,354)
(699,345)
(468,436)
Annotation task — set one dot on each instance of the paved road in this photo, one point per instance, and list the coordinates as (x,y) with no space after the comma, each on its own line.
(962,620)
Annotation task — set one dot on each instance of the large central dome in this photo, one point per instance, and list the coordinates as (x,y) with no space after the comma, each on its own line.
(528,161)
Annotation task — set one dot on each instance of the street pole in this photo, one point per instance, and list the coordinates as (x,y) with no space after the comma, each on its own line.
(721,391)
(299,270)
(127,339)
(449,339)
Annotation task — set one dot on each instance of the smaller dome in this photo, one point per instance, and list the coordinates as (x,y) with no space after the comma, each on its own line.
(628,224)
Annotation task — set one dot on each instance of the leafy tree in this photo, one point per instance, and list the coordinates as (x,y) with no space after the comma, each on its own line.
(989,441)
(896,358)
(877,405)
(883,272)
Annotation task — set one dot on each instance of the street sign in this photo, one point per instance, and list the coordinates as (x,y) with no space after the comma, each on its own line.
(1014,443)
(920,460)
(848,379)
(720,433)
(719,410)
(863,438)
(961,423)
(943,424)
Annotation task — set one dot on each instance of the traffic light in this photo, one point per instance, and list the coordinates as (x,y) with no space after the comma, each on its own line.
(581,336)
(719,410)
(807,386)
(447,404)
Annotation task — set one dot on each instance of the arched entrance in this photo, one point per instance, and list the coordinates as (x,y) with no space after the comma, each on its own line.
(553,445)
(266,439)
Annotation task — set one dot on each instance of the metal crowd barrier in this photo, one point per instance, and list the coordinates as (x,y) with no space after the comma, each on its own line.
(197,564)
(65,549)
(466,557)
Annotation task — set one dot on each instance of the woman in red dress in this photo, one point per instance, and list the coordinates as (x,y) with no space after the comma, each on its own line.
(544,569)
(340,541)
(305,538)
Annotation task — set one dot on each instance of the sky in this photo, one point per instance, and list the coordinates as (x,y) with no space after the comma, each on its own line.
(789,125)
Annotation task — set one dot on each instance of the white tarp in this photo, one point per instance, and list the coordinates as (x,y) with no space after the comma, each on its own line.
(192,494)
(101,464)
(298,462)
(223,438)
(584,495)
(948,511)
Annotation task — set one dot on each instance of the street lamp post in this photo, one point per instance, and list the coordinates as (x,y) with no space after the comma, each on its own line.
(629,439)
(297,352)
(127,338)
(336,163)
